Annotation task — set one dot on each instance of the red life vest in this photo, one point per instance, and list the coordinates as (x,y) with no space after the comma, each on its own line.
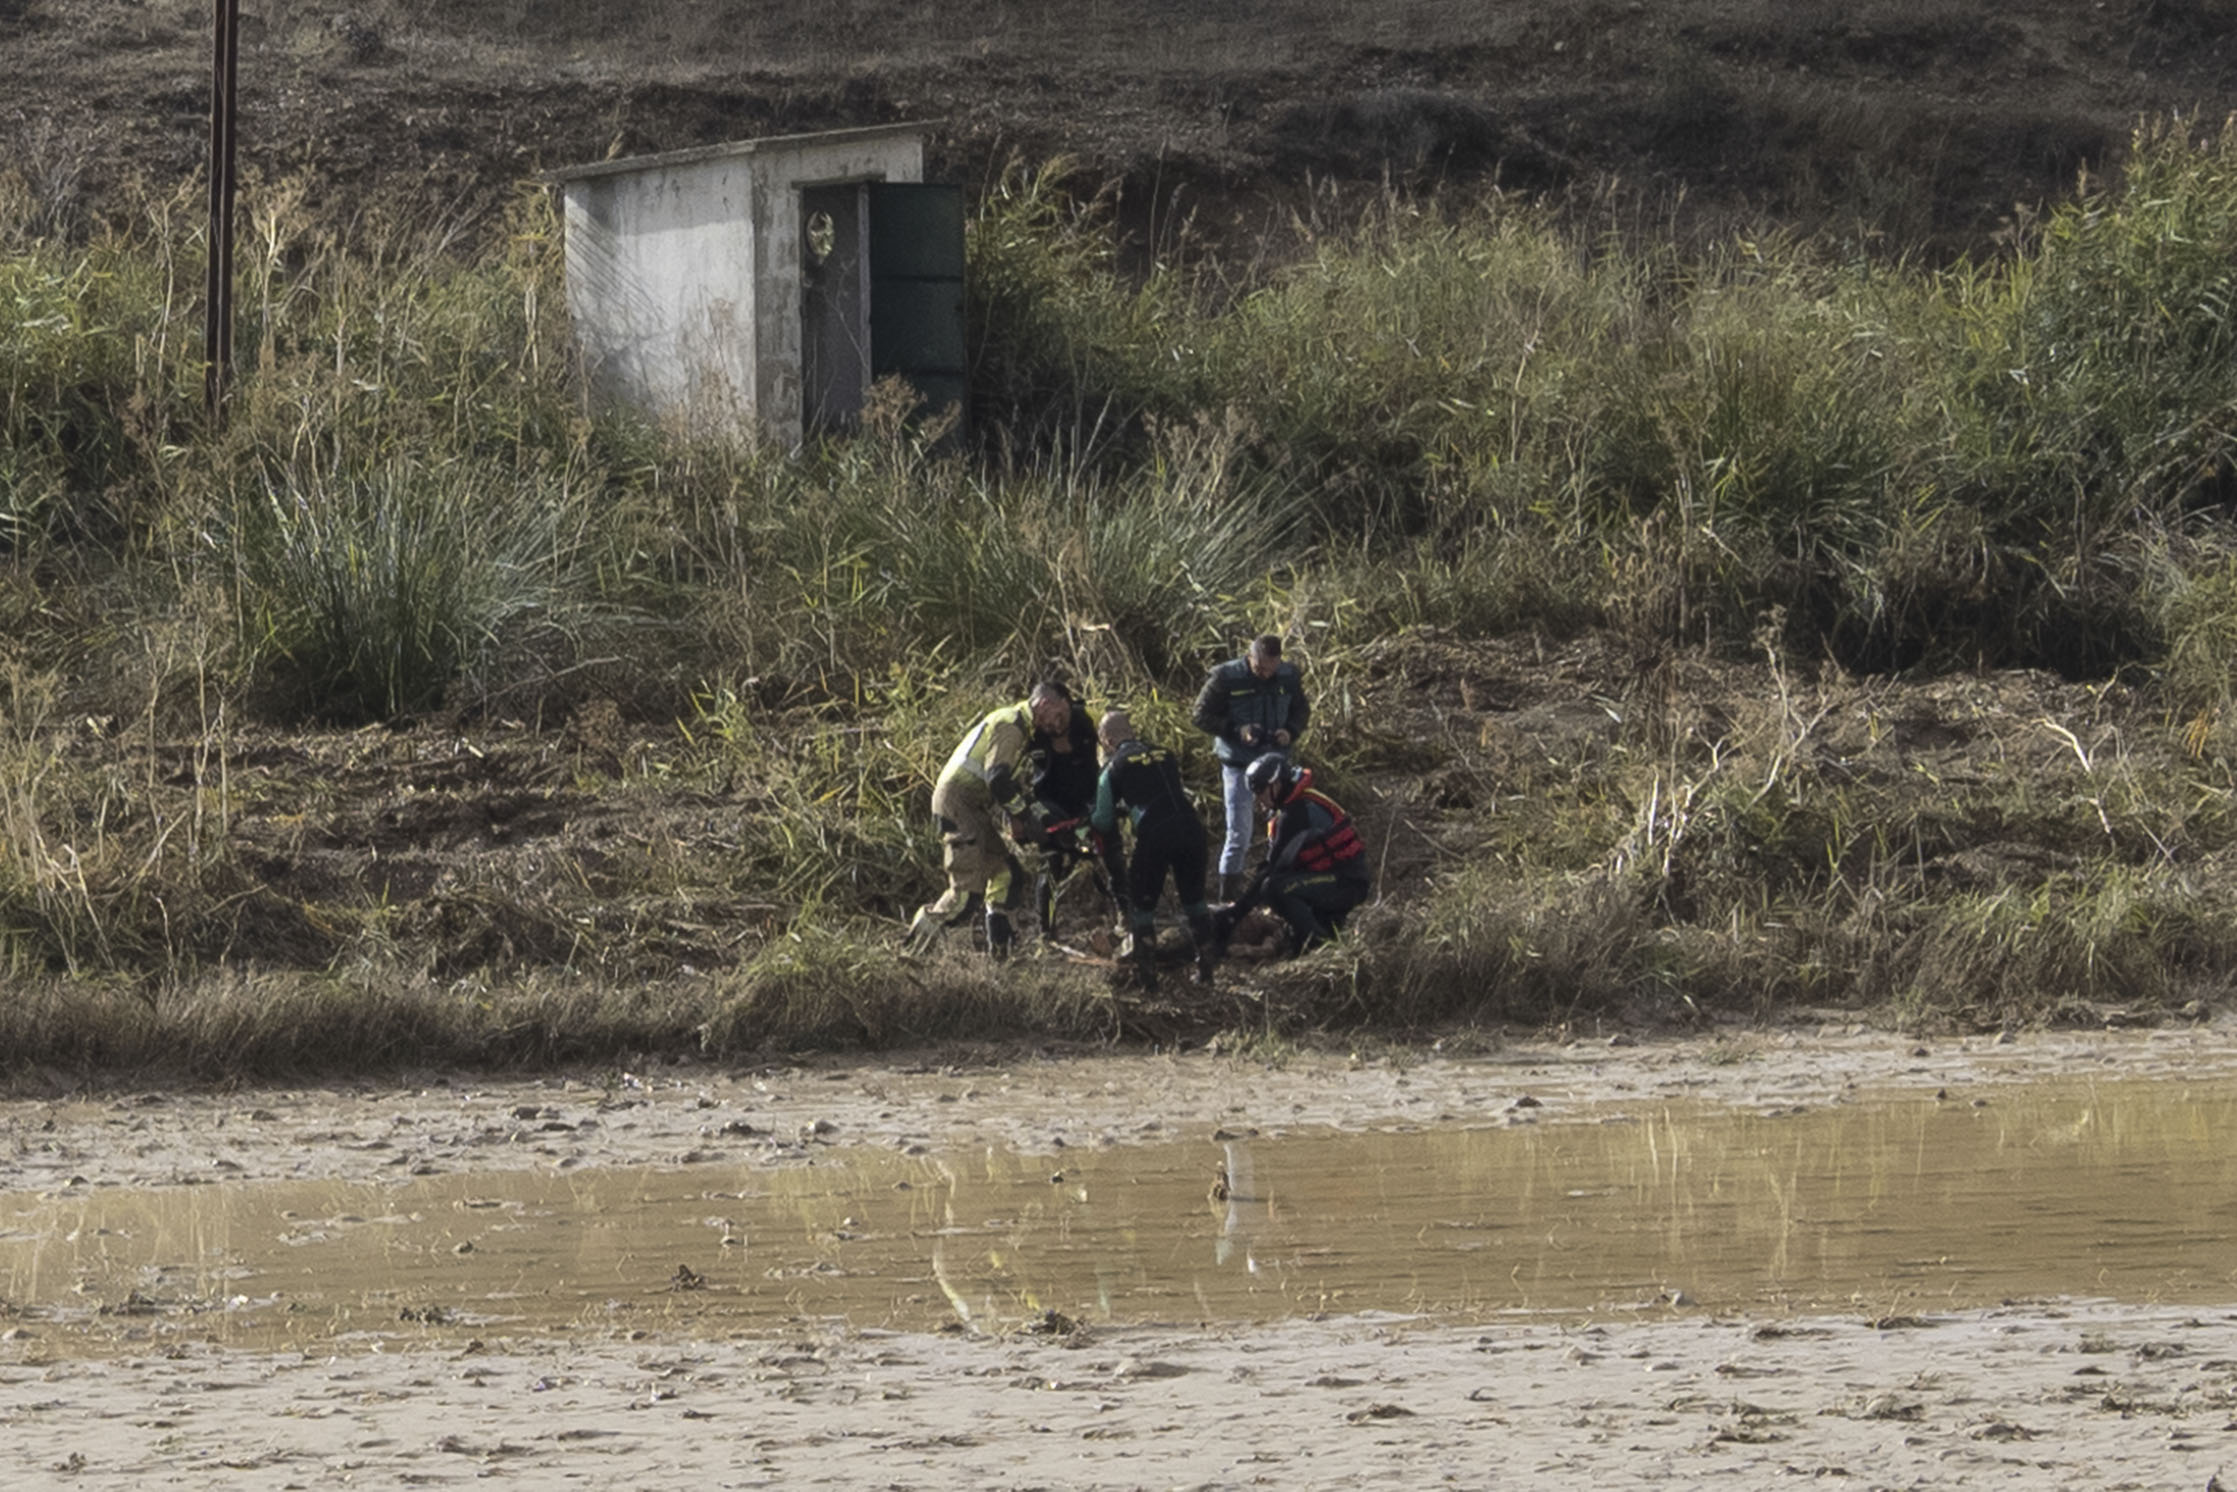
(1331,847)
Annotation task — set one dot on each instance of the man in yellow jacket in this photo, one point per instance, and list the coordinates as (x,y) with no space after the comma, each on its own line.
(987,777)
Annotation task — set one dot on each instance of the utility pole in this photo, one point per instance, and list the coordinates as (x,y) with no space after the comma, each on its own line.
(217,325)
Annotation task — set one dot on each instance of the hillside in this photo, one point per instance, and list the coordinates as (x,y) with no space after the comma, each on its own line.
(1922,121)
(1750,628)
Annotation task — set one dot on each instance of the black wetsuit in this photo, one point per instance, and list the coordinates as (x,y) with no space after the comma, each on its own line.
(1145,781)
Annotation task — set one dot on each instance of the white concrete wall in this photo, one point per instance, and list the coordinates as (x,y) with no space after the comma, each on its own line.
(683,272)
(660,283)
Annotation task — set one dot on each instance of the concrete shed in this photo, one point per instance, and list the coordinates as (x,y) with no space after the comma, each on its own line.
(767,282)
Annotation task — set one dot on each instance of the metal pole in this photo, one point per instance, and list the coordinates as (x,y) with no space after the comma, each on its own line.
(217,326)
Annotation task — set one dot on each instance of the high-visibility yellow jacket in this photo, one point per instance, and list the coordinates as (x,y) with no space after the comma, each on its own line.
(991,753)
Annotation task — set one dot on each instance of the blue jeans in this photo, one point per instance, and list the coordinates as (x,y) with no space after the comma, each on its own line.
(1242,818)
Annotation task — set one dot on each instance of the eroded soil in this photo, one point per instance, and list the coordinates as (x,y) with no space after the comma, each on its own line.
(489,848)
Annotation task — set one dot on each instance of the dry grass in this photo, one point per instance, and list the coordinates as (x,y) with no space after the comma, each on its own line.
(1646,597)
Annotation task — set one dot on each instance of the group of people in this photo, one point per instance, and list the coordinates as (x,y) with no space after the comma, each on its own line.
(1038,776)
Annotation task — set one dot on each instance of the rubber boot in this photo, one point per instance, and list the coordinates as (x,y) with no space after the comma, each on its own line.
(1207,948)
(1000,937)
(1231,884)
(1138,956)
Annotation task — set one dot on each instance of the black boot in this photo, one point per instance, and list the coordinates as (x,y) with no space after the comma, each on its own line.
(1138,955)
(1000,938)
(1231,886)
(1207,947)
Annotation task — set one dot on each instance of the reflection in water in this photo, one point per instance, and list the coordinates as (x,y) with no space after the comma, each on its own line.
(1904,1204)
(1244,1209)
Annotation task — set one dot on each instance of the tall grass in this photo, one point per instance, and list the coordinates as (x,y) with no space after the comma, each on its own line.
(373,597)
(1461,422)
(91,391)
(1066,356)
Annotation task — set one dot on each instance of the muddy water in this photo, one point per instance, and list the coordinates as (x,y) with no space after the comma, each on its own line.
(2118,1191)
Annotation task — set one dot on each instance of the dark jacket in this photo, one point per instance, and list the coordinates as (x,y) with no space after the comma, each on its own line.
(1144,780)
(1235,702)
(1065,780)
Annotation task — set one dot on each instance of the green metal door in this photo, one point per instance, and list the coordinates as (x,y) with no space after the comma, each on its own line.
(916,288)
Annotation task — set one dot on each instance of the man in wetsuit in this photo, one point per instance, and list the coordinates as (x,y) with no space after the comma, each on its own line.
(1144,782)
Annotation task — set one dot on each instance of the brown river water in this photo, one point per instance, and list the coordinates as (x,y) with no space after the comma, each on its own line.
(1908,1203)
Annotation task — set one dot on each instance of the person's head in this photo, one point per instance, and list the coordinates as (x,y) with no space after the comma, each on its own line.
(1114,730)
(1265,655)
(1271,779)
(1051,707)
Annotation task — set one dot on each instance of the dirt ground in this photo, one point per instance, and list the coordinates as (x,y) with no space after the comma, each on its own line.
(484,849)
(2028,1394)
(1924,121)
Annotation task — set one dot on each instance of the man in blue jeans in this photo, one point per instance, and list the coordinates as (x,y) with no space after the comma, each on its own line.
(1249,706)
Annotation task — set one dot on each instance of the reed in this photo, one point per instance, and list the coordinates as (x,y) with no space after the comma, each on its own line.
(1645,591)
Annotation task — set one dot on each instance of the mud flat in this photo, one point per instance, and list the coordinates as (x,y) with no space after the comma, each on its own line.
(739,1374)
(2025,1397)
(53,1134)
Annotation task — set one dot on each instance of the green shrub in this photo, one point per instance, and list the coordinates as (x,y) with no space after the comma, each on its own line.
(1065,357)
(2093,382)
(1419,345)
(75,402)
(371,597)
(2101,358)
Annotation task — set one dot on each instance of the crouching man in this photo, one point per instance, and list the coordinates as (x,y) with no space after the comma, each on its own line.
(1145,782)
(1316,864)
